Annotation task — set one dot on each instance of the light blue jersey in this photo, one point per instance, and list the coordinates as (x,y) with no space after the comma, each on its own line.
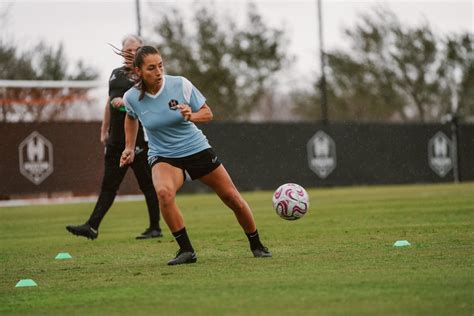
(169,135)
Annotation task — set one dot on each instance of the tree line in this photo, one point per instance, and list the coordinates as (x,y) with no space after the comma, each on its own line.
(390,72)
(396,73)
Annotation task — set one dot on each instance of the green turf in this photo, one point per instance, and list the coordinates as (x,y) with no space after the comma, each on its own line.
(338,260)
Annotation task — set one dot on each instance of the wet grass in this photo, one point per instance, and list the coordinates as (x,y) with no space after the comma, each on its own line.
(338,260)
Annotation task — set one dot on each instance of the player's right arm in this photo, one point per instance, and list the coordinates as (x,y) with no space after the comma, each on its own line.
(104,130)
(131,131)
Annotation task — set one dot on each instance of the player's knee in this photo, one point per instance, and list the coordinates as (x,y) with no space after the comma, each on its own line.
(165,195)
(233,200)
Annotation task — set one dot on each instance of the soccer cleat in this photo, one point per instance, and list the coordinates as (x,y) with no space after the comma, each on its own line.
(150,233)
(261,252)
(183,257)
(83,230)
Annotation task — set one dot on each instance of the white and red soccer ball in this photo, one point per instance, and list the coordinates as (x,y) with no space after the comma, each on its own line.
(290,201)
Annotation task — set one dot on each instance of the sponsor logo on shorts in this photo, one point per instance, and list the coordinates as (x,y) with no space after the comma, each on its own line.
(152,160)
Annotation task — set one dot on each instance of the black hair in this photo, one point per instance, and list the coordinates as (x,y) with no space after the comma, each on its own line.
(138,59)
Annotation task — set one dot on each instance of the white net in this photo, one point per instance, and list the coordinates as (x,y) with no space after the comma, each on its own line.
(33,100)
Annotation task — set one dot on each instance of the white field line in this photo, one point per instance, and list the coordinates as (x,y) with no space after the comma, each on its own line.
(65,200)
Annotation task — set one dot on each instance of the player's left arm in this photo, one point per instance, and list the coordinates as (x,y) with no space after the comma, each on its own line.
(203,115)
(194,107)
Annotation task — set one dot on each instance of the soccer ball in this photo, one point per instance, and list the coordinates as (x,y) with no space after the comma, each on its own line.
(290,201)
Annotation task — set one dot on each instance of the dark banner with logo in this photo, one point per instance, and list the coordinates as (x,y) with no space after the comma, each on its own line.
(313,155)
(66,159)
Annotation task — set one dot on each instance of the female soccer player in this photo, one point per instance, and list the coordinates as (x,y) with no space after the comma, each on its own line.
(168,107)
(113,136)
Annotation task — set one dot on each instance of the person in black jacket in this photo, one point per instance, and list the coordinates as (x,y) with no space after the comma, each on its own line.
(113,137)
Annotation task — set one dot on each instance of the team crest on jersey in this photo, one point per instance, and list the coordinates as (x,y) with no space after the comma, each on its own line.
(173,104)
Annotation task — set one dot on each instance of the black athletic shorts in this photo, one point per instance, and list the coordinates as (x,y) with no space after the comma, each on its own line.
(194,166)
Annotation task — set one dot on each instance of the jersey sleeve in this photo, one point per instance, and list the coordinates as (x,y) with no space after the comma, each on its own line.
(128,106)
(192,95)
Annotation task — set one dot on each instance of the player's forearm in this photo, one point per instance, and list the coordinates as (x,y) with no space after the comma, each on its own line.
(203,115)
(131,131)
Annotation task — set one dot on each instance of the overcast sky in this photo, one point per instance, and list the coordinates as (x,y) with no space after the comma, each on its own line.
(85,27)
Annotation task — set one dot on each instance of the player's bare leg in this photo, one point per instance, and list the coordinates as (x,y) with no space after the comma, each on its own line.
(220,181)
(167,180)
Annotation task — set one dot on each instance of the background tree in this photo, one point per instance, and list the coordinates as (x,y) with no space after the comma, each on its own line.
(394,72)
(233,66)
(40,63)
(459,73)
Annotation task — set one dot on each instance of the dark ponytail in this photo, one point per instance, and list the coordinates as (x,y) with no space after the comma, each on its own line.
(138,60)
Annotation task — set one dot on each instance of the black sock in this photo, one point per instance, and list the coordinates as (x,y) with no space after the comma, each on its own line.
(254,240)
(182,238)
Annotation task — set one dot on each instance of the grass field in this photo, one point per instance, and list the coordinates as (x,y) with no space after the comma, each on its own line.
(338,260)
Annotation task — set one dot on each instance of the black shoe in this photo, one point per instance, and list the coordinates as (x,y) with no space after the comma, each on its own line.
(183,257)
(150,233)
(83,230)
(261,252)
